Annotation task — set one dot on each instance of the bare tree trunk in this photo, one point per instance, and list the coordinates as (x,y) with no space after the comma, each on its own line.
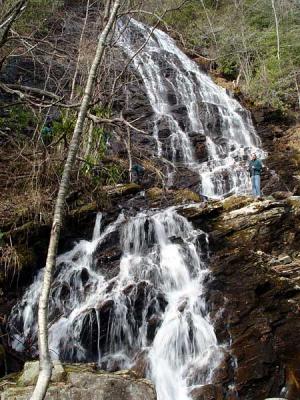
(79,51)
(277,29)
(89,140)
(45,360)
(210,24)
(107,9)
(9,18)
(128,147)
(297,88)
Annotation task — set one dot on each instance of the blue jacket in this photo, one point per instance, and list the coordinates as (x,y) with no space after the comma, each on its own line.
(255,167)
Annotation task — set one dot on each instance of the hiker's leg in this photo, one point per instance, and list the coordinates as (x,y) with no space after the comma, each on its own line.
(258,185)
(253,185)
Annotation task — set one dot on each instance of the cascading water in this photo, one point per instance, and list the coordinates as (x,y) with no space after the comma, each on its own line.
(187,103)
(154,305)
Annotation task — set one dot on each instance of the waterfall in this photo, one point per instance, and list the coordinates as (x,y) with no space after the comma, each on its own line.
(192,109)
(150,306)
(155,305)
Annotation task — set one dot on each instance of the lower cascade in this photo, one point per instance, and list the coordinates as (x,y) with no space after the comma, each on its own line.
(153,309)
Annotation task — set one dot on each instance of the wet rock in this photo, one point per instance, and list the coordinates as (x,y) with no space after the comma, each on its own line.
(186,179)
(258,292)
(106,305)
(186,196)
(284,259)
(281,141)
(199,143)
(201,211)
(197,137)
(121,189)
(153,324)
(107,256)
(201,152)
(281,195)
(236,202)
(208,392)
(141,364)
(158,195)
(182,306)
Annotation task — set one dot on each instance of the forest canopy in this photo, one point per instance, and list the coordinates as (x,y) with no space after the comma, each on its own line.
(240,38)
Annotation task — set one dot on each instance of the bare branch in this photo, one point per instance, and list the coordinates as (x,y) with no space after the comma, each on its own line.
(10,17)
(114,121)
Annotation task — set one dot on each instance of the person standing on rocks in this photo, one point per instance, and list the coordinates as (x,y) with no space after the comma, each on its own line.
(137,173)
(255,168)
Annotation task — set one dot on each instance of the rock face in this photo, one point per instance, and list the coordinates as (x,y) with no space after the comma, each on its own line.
(81,382)
(281,139)
(254,295)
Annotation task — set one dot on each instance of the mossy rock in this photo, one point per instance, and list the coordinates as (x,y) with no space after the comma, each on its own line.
(88,367)
(236,202)
(21,231)
(87,208)
(186,196)
(175,196)
(31,371)
(294,202)
(155,193)
(243,238)
(208,210)
(121,189)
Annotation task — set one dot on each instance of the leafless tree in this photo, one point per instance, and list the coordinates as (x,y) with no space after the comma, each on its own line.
(277,28)
(44,354)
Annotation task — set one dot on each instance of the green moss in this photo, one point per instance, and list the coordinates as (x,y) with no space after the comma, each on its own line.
(21,231)
(69,368)
(19,119)
(236,202)
(155,193)
(123,189)
(242,238)
(26,256)
(295,204)
(87,208)
(186,195)
(11,378)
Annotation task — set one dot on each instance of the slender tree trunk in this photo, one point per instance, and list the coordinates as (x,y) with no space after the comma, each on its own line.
(210,24)
(128,147)
(79,51)
(297,88)
(9,18)
(107,9)
(277,29)
(89,140)
(45,360)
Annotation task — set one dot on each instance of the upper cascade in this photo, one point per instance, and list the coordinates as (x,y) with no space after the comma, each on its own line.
(186,101)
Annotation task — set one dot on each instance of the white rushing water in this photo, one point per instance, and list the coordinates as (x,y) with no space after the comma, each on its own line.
(160,280)
(172,80)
